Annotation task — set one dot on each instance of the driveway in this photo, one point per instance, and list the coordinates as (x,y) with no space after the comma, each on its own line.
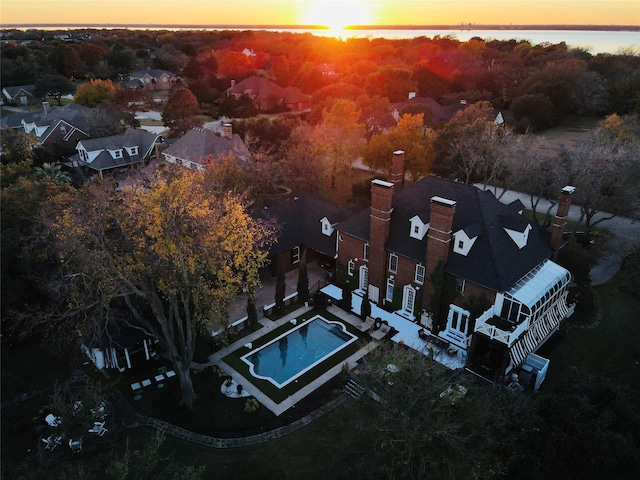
(625,233)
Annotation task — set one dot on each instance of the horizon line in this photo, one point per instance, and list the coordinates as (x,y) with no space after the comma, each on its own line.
(461,26)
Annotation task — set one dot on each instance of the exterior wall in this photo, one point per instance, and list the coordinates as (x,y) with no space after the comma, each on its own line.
(380,218)
(438,237)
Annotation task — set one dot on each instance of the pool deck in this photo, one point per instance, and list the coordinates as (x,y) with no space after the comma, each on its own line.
(268,325)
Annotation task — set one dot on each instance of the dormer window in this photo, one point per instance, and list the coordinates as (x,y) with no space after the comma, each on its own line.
(327,228)
(519,238)
(132,150)
(465,238)
(418,228)
(116,153)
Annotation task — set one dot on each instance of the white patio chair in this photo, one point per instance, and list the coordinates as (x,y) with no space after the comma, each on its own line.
(98,429)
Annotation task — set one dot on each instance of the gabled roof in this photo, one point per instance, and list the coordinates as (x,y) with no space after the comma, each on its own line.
(11,92)
(72,114)
(198,144)
(142,139)
(494,261)
(154,72)
(259,87)
(441,113)
(300,222)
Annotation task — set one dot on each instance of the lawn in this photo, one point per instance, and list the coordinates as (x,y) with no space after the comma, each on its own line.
(611,348)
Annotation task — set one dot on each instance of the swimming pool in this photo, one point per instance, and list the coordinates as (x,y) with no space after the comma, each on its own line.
(293,353)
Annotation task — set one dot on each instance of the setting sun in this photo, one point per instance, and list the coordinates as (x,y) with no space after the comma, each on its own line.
(336,15)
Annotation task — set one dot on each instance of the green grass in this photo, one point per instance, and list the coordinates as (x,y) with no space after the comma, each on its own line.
(277,394)
(611,349)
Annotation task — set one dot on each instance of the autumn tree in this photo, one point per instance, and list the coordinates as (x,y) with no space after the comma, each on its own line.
(408,136)
(235,65)
(180,112)
(171,254)
(339,138)
(95,92)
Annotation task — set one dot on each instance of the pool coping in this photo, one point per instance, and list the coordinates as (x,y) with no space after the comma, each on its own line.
(268,325)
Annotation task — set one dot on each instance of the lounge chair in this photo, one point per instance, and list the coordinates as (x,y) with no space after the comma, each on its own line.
(98,429)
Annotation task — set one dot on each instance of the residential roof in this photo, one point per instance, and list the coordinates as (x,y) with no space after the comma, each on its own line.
(198,144)
(441,113)
(142,139)
(300,222)
(257,86)
(154,72)
(12,92)
(494,261)
(72,113)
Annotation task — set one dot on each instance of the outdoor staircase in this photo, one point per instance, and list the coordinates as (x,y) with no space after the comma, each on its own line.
(353,389)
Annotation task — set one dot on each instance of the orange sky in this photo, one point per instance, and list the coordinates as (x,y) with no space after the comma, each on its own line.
(335,13)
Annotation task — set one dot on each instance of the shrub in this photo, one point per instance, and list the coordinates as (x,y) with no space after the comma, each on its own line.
(251,405)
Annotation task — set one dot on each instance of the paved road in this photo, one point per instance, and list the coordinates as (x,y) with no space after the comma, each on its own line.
(625,233)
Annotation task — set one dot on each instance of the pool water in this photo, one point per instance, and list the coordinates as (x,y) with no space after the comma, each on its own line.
(290,355)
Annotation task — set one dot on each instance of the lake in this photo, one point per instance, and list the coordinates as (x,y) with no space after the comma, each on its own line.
(595,41)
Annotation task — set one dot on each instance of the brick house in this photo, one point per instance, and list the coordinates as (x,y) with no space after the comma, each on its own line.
(153,79)
(490,255)
(63,125)
(267,95)
(18,96)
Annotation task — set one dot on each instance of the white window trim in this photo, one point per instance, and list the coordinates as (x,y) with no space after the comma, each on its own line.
(417,279)
(392,256)
(295,255)
(460,287)
(363,280)
(389,293)
(350,267)
(365,252)
(409,299)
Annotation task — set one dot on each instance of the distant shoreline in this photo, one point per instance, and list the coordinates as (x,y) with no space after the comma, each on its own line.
(471,27)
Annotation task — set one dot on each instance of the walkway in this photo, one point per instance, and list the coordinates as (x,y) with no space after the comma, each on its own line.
(268,325)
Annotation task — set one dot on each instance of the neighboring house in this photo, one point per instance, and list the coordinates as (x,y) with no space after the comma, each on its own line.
(199,146)
(66,124)
(307,223)
(441,113)
(19,95)
(488,250)
(153,79)
(107,153)
(267,95)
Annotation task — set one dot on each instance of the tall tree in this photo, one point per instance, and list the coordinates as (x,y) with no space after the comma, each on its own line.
(281,286)
(339,138)
(54,86)
(172,254)
(303,277)
(180,112)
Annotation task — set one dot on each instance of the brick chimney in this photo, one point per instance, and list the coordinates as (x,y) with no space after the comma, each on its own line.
(438,237)
(397,169)
(227,130)
(564,203)
(380,221)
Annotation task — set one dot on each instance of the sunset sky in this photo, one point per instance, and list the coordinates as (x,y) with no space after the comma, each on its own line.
(333,13)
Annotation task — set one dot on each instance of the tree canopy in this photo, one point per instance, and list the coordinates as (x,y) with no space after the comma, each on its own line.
(171,254)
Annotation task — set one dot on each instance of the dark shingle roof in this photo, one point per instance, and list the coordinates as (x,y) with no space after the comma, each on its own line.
(199,143)
(494,261)
(142,139)
(300,223)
